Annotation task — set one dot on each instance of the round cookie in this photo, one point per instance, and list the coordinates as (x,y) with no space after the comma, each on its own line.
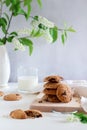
(50,98)
(51,85)
(48,91)
(1,93)
(53,79)
(33,113)
(18,114)
(12,97)
(64,93)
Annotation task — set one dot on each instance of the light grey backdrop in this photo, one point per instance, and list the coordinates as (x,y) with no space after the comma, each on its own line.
(70,60)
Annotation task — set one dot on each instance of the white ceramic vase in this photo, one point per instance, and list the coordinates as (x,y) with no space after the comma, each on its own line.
(4,67)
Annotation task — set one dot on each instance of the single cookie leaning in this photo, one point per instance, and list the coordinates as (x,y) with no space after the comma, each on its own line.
(18,114)
(1,93)
(53,79)
(12,97)
(64,93)
(33,113)
(50,85)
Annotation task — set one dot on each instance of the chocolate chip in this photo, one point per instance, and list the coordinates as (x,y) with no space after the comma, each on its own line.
(38,116)
(53,80)
(64,93)
(40,101)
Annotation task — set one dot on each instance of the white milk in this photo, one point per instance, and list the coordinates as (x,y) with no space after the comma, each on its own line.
(26,83)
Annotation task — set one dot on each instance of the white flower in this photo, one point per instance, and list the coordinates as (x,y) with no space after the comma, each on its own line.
(18,45)
(35,24)
(72,118)
(24,31)
(47,36)
(45,32)
(45,22)
(42,20)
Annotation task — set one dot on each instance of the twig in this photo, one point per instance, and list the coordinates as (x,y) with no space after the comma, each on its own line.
(8,28)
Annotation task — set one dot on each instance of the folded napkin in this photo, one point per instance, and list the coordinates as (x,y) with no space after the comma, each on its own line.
(79,87)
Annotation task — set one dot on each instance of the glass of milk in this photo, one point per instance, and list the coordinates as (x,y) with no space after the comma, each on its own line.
(27,78)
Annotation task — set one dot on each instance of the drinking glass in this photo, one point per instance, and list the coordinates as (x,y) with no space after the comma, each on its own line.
(27,78)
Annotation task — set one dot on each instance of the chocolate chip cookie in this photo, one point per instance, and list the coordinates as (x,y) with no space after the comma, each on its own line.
(49,91)
(33,113)
(12,97)
(50,85)
(53,78)
(50,98)
(64,93)
(18,114)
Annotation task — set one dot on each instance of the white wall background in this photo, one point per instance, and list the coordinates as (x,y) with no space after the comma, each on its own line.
(69,61)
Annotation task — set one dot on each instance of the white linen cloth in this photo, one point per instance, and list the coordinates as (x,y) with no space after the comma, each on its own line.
(84,103)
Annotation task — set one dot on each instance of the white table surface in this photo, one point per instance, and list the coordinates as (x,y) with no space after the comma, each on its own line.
(48,121)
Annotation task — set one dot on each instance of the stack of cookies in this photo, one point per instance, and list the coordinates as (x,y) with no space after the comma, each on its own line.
(55,91)
(50,88)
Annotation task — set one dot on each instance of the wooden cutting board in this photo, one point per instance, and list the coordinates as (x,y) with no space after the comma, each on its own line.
(73,105)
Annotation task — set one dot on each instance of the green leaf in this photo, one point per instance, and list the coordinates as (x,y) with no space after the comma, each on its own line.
(71,29)
(22,12)
(63,38)
(82,117)
(15,2)
(3,24)
(54,33)
(15,7)
(27,42)
(4,40)
(35,33)
(1,42)
(9,39)
(4,29)
(28,10)
(14,33)
(3,21)
(7,2)
(6,15)
(36,18)
(26,2)
(38,34)
(39,3)
(65,33)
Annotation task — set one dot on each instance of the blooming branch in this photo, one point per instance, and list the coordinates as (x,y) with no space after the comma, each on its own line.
(40,26)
